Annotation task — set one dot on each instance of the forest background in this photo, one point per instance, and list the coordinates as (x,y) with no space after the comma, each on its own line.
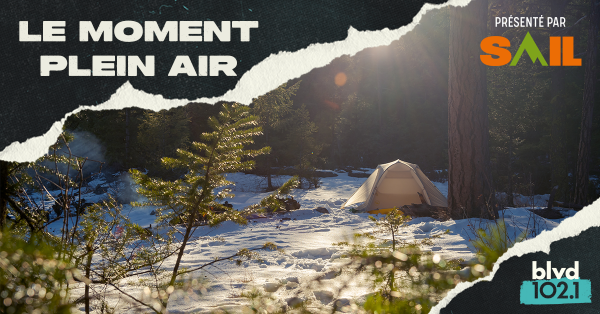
(390,103)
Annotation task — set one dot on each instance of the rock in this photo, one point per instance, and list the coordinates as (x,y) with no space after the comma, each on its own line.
(330,274)
(293,279)
(340,303)
(324,296)
(465,272)
(291,204)
(322,210)
(294,301)
(291,285)
(153,213)
(472,261)
(271,286)
(58,210)
(100,189)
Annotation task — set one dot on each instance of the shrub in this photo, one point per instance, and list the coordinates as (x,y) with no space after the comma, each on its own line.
(32,279)
(494,242)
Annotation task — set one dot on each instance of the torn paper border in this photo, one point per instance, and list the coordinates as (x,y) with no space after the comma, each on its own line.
(570,227)
(271,73)
(260,79)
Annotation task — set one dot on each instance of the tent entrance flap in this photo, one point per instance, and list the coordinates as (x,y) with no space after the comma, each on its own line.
(387,200)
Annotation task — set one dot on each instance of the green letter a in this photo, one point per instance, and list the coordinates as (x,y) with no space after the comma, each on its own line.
(532,50)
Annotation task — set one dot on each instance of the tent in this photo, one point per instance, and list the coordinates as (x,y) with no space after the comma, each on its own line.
(395,184)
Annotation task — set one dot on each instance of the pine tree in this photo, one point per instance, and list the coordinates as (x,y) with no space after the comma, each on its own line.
(192,197)
(515,95)
(159,135)
(356,143)
(271,110)
(587,113)
(12,179)
(306,151)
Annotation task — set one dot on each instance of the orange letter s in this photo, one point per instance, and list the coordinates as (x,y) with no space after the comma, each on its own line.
(487,45)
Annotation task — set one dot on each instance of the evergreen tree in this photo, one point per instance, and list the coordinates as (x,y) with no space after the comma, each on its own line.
(515,94)
(9,190)
(558,116)
(307,150)
(585,139)
(357,144)
(271,111)
(159,135)
(192,197)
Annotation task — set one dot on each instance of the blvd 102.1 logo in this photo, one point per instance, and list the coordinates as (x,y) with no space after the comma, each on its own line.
(547,290)
(561,51)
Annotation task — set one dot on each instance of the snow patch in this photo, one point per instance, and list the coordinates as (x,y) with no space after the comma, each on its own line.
(315,253)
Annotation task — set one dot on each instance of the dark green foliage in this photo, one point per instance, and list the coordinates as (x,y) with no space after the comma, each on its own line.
(13,178)
(65,257)
(355,145)
(493,242)
(391,223)
(221,151)
(135,137)
(535,111)
(276,117)
(277,201)
(422,281)
(405,279)
(161,134)
(110,127)
(193,197)
(32,278)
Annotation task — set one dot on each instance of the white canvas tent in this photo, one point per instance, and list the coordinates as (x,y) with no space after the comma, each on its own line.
(395,184)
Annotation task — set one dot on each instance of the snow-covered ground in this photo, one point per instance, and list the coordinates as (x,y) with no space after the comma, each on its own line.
(307,238)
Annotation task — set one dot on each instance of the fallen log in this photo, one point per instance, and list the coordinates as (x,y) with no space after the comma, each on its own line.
(568,205)
(547,213)
(425,210)
(358,174)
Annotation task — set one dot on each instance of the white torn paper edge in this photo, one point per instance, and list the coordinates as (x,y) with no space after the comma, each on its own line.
(586,218)
(276,70)
(260,79)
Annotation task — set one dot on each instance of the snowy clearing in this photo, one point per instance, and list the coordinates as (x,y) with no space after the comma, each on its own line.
(307,238)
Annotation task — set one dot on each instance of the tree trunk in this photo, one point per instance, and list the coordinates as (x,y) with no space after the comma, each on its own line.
(510,200)
(469,175)
(88,267)
(186,237)
(585,139)
(126,138)
(558,152)
(3,193)
(268,168)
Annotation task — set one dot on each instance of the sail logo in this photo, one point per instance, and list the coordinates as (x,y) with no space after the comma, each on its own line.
(561,51)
